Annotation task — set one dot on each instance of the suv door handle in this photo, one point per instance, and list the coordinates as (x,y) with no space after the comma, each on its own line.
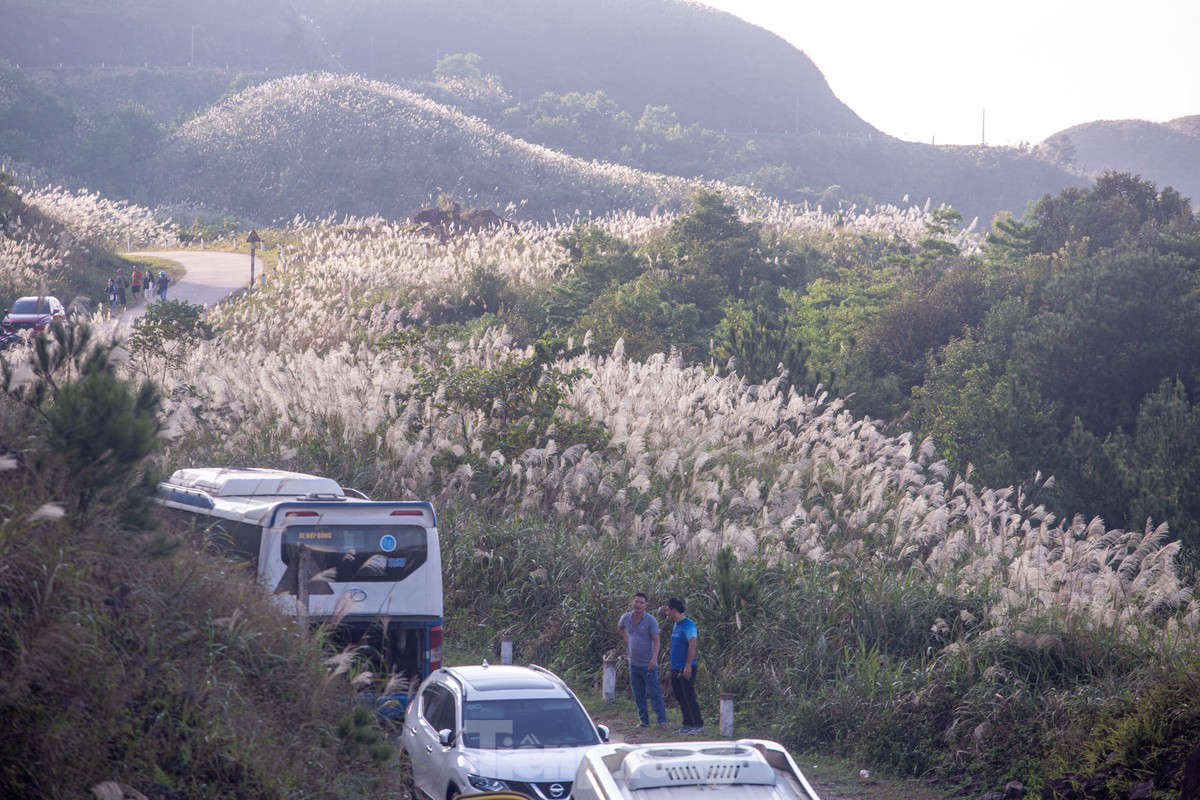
(428,748)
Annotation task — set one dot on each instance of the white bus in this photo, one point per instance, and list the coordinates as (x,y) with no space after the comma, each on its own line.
(372,570)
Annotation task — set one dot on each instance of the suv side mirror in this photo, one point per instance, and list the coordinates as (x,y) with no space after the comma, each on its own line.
(446,737)
(603,731)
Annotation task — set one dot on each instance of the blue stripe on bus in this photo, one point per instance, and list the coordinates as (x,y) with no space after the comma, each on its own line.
(184,497)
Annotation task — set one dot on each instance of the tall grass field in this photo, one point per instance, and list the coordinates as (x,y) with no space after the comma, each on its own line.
(852,592)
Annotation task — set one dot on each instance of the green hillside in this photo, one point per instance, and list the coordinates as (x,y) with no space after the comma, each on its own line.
(321,144)
(662,86)
(710,67)
(1167,153)
(240,34)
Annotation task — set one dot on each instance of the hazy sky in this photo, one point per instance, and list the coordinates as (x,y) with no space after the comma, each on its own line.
(951,71)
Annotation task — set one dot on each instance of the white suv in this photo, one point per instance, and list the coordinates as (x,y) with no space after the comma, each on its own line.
(496,728)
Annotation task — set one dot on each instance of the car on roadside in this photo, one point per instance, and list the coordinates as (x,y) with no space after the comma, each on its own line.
(485,728)
(33,313)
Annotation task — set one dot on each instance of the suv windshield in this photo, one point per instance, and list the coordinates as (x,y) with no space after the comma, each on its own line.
(527,722)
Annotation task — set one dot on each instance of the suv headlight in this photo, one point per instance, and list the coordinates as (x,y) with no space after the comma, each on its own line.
(487,784)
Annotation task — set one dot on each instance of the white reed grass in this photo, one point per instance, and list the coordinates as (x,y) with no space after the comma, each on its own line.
(696,462)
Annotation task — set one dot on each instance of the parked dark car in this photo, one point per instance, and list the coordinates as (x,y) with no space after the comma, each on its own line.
(33,313)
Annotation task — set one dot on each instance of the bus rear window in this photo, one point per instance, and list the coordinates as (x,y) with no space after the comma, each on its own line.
(359,552)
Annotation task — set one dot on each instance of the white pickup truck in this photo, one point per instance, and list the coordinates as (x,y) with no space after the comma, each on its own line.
(746,769)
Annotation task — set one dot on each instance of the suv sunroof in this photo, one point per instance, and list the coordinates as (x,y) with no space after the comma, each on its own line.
(507,683)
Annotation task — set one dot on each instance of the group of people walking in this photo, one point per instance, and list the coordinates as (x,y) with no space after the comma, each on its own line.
(138,284)
(641,633)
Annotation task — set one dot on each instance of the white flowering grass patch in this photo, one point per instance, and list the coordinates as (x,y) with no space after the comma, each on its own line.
(98,221)
(696,461)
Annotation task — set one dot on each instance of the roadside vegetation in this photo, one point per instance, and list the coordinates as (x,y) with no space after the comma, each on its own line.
(133,664)
(599,407)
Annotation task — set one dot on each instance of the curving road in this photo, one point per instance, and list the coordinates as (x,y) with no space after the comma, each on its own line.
(211,277)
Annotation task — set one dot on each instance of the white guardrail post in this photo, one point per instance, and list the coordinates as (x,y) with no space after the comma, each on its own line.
(726,723)
(506,649)
(610,679)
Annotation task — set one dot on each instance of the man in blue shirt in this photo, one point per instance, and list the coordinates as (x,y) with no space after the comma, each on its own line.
(683,666)
(640,632)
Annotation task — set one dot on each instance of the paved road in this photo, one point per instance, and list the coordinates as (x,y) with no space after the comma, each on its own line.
(211,277)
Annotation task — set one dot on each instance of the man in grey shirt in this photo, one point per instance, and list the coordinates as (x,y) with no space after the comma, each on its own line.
(640,632)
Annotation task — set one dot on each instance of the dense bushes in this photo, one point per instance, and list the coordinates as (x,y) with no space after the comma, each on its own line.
(124,659)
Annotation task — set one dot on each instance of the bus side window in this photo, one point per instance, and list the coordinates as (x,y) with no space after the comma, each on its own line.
(246,538)
(237,540)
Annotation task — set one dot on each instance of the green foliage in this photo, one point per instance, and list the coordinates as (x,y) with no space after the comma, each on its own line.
(598,262)
(1150,737)
(978,414)
(32,120)
(519,402)
(713,254)
(829,316)
(1126,314)
(1119,205)
(662,143)
(1089,306)
(210,228)
(168,331)
(362,737)
(485,291)
(460,66)
(123,142)
(91,432)
(642,314)
(1150,473)
(589,125)
(758,344)
(129,663)
(735,601)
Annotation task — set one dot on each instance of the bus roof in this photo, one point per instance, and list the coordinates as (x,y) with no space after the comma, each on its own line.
(254,482)
(262,495)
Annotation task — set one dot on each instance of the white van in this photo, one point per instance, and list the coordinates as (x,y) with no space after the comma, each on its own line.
(373,570)
(746,769)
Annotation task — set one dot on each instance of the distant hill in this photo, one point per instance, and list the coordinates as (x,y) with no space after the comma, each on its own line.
(708,66)
(1167,153)
(114,116)
(323,144)
(263,35)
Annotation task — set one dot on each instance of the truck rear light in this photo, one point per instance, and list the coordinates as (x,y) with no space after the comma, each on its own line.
(407,512)
(435,648)
(302,514)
